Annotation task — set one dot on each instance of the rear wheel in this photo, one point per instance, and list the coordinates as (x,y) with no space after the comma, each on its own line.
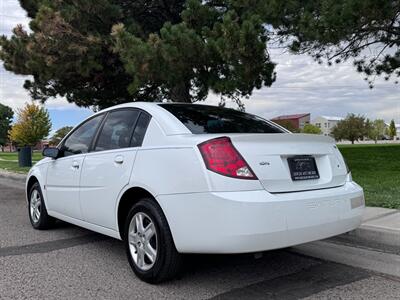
(37,209)
(149,244)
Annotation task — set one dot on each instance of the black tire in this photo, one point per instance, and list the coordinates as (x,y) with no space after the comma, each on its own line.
(168,261)
(44,221)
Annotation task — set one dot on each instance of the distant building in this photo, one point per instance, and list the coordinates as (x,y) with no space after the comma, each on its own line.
(397,131)
(9,147)
(41,145)
(326,123)
(297,120)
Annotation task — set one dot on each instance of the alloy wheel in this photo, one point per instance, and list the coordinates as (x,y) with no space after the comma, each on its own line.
(35,206)
(142,238)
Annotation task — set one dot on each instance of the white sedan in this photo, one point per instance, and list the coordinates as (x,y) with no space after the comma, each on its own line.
(170,178)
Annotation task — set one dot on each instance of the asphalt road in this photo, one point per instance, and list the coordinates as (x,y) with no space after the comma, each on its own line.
(72,263)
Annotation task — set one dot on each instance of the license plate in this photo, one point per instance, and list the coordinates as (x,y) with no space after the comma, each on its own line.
(303,168)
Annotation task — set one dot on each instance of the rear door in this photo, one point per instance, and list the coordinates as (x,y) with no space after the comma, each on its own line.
(107,169)
(63,174)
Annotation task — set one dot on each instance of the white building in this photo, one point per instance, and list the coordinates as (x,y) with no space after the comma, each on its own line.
(397,131)
(326,123)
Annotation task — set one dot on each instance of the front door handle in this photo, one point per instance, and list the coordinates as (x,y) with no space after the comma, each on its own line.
(119,159)
(75,165)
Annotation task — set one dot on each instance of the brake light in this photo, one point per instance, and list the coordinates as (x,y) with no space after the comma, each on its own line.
(220,156)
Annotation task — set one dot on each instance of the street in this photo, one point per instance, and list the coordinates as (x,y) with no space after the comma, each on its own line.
(72,263)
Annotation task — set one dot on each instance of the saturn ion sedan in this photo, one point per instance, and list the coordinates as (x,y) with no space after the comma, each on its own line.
(170,179)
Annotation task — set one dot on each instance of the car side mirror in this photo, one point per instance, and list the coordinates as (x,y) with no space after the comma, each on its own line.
(52,152)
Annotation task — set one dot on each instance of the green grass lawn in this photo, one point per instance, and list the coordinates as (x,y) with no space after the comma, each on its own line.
(9,161)
(377,169)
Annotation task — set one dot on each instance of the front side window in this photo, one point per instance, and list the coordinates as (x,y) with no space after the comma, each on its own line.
(79,141)
(211,119)
(117,130)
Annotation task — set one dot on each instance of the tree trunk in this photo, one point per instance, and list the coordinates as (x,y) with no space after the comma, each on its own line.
(181,93)
(352,141)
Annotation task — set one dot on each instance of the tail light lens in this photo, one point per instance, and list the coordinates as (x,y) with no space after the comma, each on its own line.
(220,156)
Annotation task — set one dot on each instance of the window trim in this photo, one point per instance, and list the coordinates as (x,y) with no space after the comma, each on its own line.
(62,143)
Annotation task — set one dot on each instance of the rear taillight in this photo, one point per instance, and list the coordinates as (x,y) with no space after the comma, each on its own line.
(221,157)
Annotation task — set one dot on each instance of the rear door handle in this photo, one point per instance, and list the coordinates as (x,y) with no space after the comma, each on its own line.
(119,159)
(75,165)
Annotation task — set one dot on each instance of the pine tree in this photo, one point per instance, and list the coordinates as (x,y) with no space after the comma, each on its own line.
(392,129)
(6,116)
(100,53)
(365,31)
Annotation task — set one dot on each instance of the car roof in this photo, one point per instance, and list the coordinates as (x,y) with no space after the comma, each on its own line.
(168,123)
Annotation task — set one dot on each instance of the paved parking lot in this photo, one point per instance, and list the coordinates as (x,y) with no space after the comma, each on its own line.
(72,263)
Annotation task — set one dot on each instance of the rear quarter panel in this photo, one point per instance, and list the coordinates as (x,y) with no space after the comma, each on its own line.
(169,170)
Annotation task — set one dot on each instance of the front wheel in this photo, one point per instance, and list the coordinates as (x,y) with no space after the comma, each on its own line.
(149,244)
(37,209)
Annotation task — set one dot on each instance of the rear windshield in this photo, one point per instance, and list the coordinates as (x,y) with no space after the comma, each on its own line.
(212,119)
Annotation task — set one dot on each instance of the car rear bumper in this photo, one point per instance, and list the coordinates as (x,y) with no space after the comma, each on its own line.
(251,221)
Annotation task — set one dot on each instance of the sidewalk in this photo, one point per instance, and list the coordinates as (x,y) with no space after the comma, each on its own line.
(374,246)
(381,225)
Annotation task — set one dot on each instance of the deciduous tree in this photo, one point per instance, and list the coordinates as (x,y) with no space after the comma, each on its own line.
(60,134)
(311,129)
(352,128)
(377,130)
(32,125)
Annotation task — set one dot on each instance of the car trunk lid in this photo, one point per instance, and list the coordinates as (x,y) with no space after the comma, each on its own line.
(268,156)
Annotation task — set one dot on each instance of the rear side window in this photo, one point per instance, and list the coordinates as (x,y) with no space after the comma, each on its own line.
(140,130)
(211,119)
(117,130)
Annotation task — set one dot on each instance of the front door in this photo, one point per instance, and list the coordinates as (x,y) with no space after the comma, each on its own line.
(62,186)
(63,174)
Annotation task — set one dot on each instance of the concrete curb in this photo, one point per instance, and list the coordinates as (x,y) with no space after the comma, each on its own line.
(380,225)
(389,237)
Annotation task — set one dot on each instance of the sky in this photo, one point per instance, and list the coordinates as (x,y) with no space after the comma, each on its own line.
(302,85)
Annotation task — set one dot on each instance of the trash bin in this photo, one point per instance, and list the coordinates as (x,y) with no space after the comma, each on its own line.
(25,156)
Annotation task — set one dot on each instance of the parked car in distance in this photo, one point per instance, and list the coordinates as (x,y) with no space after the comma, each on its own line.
(170,179)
